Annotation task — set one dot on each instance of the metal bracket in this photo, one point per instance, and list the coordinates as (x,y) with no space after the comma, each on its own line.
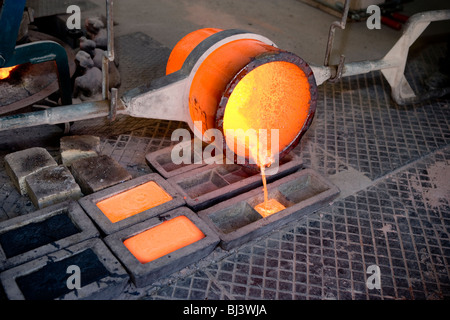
(108,56)
(113,104)
(336,24)
(401,92)
(392,65)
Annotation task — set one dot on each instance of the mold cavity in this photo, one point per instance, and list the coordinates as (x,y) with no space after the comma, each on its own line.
(165,161)
(133,201)
(202,184)
(302,188)
(37,234)
(235,217)
(163,239)
(49,282)
(233,173)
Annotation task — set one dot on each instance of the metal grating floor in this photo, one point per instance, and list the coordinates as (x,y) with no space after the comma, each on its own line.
(391,163)
(327,255)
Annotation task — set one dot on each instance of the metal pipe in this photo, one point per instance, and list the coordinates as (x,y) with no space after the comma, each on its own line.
(361,67)
(108,55)
(324,73)
(105,77)
(56,115)
(109,29)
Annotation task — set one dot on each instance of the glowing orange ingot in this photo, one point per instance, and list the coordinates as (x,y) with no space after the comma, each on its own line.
(133,201)
(163,239)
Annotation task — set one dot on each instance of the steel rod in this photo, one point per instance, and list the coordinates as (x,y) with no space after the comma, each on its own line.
(56,115)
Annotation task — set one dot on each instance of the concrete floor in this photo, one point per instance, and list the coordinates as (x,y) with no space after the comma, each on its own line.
(391,163)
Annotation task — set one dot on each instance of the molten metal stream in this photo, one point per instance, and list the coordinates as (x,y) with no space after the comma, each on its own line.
(272,96)
(269,206)
(259,155)
(246,88)
(266,194)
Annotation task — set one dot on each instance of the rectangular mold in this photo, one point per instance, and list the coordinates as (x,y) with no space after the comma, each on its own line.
(143,274)
(106,224)
(208,185)
(45,278)
(237,222)
(30,236)
(161,161)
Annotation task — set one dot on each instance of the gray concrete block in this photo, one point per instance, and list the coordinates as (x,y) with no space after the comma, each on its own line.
(36,234)
(208,185)
(46,278)
(237,222)
(143,274)
(77,147)
(52,185)
(21,164)
(89,203)
(96,173)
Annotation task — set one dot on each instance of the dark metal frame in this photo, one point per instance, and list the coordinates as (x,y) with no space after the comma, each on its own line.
(35,52)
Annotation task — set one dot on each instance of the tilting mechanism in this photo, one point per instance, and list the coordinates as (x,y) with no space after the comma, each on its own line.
(188,94)
(392,65)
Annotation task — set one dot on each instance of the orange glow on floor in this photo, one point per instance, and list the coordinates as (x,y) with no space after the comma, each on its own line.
(274,95)
(5,72)
(133,201)
(163,239)
(266,209)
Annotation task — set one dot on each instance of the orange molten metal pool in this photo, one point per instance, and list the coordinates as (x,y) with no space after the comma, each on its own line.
(270,207)
(133,201)
(163,239)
